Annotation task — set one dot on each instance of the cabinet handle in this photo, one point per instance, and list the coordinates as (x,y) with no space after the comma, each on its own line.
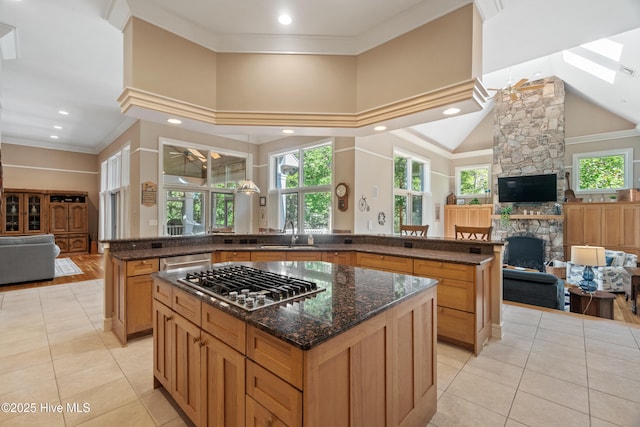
(169,318)
(203,343)
(196,339)
(268,423)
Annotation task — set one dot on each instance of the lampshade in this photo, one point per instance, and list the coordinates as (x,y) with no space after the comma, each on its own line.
(247,186)
(588,255)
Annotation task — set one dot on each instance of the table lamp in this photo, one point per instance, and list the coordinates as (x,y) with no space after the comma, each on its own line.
(589,256)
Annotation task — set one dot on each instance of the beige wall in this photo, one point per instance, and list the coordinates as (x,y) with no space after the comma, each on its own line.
(583,117)
(239,88)
(433,56)
(48,169)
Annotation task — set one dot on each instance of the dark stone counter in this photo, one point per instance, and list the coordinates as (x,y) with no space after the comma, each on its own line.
(351,295)
(446,254)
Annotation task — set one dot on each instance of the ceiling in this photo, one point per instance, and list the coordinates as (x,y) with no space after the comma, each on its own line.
(67,54)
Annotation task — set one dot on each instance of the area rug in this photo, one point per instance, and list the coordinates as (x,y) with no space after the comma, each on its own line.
(66,267)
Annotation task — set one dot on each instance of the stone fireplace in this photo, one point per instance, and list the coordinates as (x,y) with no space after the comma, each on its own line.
(529,140)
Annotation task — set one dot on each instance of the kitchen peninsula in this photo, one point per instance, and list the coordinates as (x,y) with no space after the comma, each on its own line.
(360,351)
(469,294)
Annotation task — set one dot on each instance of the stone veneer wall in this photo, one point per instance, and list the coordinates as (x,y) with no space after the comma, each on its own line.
(529,140)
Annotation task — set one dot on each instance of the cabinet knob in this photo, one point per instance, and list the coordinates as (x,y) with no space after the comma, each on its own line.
(268,423)
(169,318)
(196,339)
(203,343)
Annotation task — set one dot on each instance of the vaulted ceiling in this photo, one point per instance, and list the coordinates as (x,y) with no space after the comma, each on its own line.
(67,54)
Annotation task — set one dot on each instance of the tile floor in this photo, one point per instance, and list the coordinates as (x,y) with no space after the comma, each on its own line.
(549,369)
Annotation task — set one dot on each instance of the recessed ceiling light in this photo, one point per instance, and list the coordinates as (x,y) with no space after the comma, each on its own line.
(451,111)
(63,112)
(174,121)
(379,128)
(57,127)
(53,136)
(284,19)
(288,131)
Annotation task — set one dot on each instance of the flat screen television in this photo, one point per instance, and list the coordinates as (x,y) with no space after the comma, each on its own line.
(528,189)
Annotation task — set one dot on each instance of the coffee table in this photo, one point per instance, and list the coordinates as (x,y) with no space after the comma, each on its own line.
(635,287)
(598,303)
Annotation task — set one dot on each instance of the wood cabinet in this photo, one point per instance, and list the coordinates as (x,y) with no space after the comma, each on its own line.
(338,257)
(464,301)
(222,372)
(205,376)
(23,212)
(133,312)
(232,256)
(68,220)
(467,215)
(391,263)
(614,226)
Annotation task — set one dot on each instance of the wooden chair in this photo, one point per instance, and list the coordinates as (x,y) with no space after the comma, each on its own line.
(473,233)
(414,230)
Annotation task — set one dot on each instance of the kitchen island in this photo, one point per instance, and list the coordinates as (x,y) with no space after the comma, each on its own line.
(362,351)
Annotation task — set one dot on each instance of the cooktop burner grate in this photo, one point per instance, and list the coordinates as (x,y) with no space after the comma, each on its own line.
(248,287)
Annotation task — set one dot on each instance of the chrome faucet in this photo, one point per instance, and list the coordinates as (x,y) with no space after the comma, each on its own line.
(293,231)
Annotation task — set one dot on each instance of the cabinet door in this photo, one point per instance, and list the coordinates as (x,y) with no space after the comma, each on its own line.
(304,256)
(58,222)
(612,227)
(35,213)
(574,223)
(630,224)
(228,256)
(592,225)
(222,384)
(139,306)
(162,344)
(77,221)
(336,257)
(268,256)
(12,214)
(185,366)
(77,243)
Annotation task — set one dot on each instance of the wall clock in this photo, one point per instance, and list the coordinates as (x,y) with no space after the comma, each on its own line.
(342,192)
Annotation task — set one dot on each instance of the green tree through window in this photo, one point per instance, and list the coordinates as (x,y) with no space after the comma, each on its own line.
(473,181)
(601,173)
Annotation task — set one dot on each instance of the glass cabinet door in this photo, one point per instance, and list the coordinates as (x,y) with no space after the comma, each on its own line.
(12,213)
(34,213)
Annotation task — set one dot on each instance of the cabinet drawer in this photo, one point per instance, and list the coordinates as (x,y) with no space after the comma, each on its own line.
(257,415)
(279,357)
(224,327)
(227,256)
(456,325)
(443,270)
(337,257)
(162,291)
(385,262)
(304,256)
(268,256)
(142,266)
(280,398)
(78,243)
(456,294)
(186,305)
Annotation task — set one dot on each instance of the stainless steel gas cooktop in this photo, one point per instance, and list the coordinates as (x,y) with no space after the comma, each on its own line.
(247,287)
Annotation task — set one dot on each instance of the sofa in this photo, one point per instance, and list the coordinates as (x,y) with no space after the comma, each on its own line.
(611,278)
(533,287)
(27,258)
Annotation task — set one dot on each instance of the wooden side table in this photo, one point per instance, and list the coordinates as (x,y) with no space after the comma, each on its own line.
(599,303)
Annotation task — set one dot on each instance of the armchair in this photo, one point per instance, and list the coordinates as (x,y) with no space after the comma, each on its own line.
(611,278)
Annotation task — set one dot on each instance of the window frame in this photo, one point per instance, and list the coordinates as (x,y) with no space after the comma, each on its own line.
(460,169)
(301,190)
(627,153)
(409,193)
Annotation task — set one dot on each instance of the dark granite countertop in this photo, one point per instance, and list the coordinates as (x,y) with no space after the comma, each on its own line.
(427,254)
(351,295)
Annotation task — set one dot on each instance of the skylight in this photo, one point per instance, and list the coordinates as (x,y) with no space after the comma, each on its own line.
(589,66)
(605,47)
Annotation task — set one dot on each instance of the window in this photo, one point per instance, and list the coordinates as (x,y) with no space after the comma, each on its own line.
(410,188)
(303,179)
(603,171)
(199,188)
(473,180)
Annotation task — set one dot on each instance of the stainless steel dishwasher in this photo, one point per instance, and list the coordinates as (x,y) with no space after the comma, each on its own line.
(185,261)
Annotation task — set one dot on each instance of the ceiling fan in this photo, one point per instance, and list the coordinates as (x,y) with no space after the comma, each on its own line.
(513,90)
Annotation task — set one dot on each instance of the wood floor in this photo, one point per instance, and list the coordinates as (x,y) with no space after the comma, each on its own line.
(92,268)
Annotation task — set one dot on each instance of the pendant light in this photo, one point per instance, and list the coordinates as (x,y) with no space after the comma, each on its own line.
(247,186)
